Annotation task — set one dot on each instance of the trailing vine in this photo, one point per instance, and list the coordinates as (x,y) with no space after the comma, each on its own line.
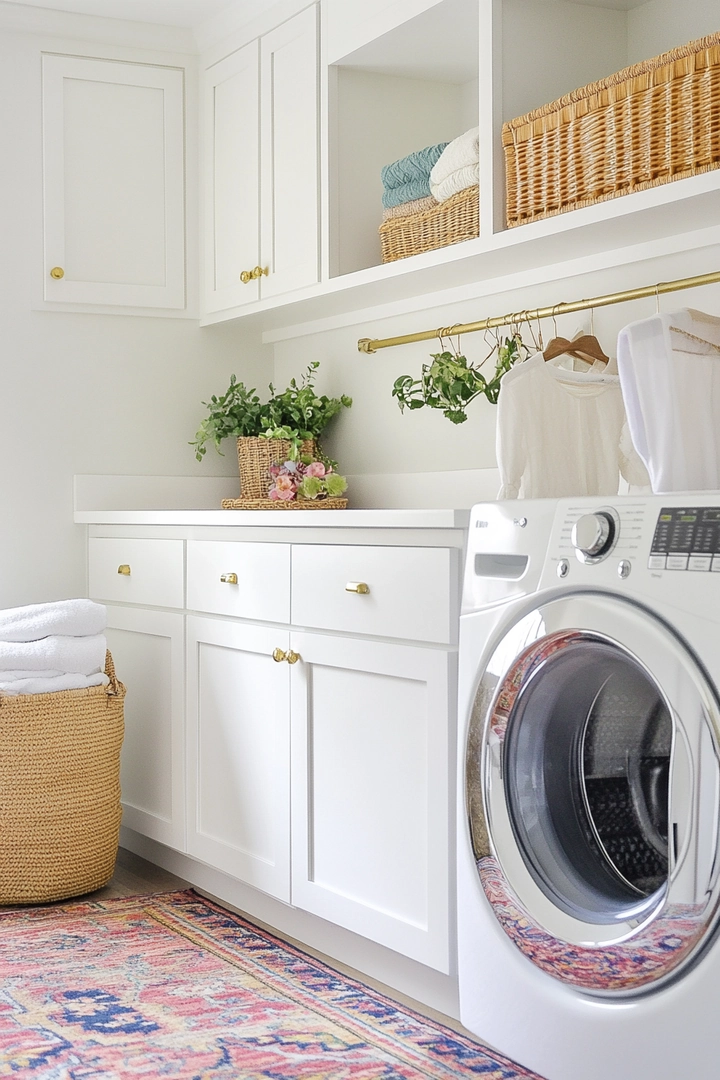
(450,382)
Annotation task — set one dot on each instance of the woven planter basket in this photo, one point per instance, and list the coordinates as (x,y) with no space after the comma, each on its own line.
(255,456)
(449,222)
(644,126)
(59,791)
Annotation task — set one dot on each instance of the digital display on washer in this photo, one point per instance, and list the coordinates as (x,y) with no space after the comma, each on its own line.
(687,538)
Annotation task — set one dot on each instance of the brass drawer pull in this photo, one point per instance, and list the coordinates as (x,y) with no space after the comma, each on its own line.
(124,569)
(357,587)
(279,655)
(252,275)
(57,273)
(229,579)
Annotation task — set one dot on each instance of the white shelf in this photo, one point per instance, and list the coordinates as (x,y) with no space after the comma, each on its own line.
(675,210)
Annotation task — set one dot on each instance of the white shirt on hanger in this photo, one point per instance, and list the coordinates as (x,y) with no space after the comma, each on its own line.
(563,433)
(670,377)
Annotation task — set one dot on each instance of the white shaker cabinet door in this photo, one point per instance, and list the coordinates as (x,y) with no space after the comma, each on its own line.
(289,195)
(113,178)
(370,793)
(148,650)
(231,181)
(239,752)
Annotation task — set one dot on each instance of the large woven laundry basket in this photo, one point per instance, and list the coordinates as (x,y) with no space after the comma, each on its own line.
(646,125)
(59,791)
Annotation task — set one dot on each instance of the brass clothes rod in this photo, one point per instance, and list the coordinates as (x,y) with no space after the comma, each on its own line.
(368,345)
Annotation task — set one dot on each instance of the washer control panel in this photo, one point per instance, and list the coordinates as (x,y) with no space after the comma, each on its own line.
(686,538)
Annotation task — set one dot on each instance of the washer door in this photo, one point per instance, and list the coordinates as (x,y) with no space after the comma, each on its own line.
(594,740)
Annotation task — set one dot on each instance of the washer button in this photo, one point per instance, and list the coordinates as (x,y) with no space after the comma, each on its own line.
(677,562)
(699,562)
(624,568)
(656,562)
(563,568)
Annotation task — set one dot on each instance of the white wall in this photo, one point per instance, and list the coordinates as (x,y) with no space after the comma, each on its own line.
(661,25)
(82,393)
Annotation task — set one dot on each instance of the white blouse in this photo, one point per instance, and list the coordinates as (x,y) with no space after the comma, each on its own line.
(562,433)
(670,376)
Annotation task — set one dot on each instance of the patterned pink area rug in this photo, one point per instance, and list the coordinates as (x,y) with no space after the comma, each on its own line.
(176,987)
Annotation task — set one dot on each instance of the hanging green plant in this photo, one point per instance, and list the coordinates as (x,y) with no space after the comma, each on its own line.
(450,383)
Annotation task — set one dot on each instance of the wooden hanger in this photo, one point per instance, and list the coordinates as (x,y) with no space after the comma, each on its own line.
(583,347)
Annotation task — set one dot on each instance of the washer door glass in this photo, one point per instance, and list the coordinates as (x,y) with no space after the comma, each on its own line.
(593,793)
(587,762)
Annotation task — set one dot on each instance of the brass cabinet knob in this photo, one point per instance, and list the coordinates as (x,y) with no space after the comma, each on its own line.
(292,657)
(124,569)
(229,579)
(57,272)
(357,587)
(279,655)
(254,274)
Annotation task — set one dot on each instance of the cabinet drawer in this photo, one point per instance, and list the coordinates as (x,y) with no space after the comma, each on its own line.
(410,592)
(250,581)
(137,571)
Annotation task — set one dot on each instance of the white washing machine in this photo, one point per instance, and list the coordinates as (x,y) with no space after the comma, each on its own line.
(589,841)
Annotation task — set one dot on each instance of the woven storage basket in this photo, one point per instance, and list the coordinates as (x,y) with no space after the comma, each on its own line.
(59,791)
(255,456)
(649,124)
(449,222)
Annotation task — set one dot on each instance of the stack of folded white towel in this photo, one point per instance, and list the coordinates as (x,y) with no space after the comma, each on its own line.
(49,647)
(457,168)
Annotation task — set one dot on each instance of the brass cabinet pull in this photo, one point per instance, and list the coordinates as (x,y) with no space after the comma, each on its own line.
(357,587)
(57,272)
(279,655)
(229,579)
(124,569)
(252,275)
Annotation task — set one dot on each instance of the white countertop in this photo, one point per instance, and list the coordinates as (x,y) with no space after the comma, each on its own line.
(333,519)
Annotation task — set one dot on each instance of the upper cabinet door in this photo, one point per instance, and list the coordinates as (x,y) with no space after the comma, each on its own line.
(113,158)
(289,154)
(231,157)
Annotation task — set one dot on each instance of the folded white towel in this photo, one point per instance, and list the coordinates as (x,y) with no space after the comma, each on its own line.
(468,176)
(71,681)
(13,675)
(465,150)
(72,618)
(82,655)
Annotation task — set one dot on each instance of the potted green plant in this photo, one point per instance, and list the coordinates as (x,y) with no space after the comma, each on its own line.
(285,428)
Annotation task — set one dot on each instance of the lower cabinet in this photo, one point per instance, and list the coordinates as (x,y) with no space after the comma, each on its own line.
(370,799)
(148,651)
(238,751)
(313,764)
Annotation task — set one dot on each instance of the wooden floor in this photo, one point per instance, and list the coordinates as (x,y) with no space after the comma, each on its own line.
(136,877)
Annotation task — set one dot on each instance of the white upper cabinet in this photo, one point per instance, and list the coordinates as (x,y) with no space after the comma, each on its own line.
(113,177)
(261,167)
(231,178)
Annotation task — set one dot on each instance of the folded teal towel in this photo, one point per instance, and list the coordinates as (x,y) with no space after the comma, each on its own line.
(416,189)
(415,166)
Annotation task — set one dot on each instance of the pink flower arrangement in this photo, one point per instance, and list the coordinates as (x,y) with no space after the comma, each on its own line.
(304,480)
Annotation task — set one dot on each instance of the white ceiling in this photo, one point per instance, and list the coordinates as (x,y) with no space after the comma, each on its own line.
(183,13)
